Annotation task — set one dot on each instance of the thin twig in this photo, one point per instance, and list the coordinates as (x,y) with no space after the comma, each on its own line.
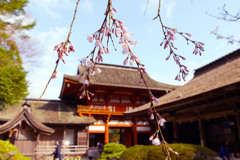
(65,43)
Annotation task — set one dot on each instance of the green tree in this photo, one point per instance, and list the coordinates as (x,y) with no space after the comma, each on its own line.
(13,84)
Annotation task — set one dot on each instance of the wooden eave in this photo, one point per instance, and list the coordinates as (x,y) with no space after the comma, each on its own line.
(225,94)
(26,116)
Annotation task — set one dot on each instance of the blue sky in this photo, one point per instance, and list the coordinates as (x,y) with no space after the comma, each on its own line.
(53,19)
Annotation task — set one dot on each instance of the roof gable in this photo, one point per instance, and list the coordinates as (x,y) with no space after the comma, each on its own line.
(26,116)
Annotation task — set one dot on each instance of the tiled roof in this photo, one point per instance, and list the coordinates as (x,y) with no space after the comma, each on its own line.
(220,73)
(26,115)
(48,112)
(121,76)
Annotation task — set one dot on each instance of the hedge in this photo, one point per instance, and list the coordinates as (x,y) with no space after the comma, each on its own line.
(9,151)
(186,152)
(112,151)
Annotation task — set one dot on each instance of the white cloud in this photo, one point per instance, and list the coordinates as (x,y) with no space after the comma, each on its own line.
(39,76)
(52,7)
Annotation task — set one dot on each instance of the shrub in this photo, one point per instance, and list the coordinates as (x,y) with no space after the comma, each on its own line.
(186,152)
(9,151)
(112,151)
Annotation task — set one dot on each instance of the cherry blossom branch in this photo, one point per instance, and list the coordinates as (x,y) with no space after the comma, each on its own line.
(152,111)
(62,49)
(226,16)
(229,39)
(168,42)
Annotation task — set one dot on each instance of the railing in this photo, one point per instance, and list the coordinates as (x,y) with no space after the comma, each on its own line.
(66,150)
(90,110)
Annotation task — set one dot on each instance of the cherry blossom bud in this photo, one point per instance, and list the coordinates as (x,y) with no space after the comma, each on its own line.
(156,141)
(106,50)
(201,43)
(107,31)
(102,29)
(125,61)
(120,22)
(90,38)
(131,62)
(161,122)
(188,34)
(71,48)
(55,48)
(174,30)
(152,116)
(151,138)
(114,10)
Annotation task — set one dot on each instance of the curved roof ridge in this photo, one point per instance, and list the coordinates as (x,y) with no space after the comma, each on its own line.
(30,120)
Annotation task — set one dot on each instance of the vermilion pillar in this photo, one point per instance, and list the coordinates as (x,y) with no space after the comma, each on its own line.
(135,138)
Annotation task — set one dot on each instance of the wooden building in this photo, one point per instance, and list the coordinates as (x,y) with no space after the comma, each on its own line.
(81,124)
(116,90)
(35,130)
(205,110)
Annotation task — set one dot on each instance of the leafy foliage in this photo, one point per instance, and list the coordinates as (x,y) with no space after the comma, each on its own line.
(112,151)
(13,85)
(9,151)
(186,151)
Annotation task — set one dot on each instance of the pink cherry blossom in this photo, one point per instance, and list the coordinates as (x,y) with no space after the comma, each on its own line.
(90,38)
(156,141)
(85,81)
(127,36)
(124,29)
(161,122)
(118,31)
(121,40)
(133,43)
(98,43)
(125,49)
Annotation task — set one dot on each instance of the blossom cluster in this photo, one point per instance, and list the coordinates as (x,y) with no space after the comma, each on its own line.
(63,49)
(109,27)
(169,37)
